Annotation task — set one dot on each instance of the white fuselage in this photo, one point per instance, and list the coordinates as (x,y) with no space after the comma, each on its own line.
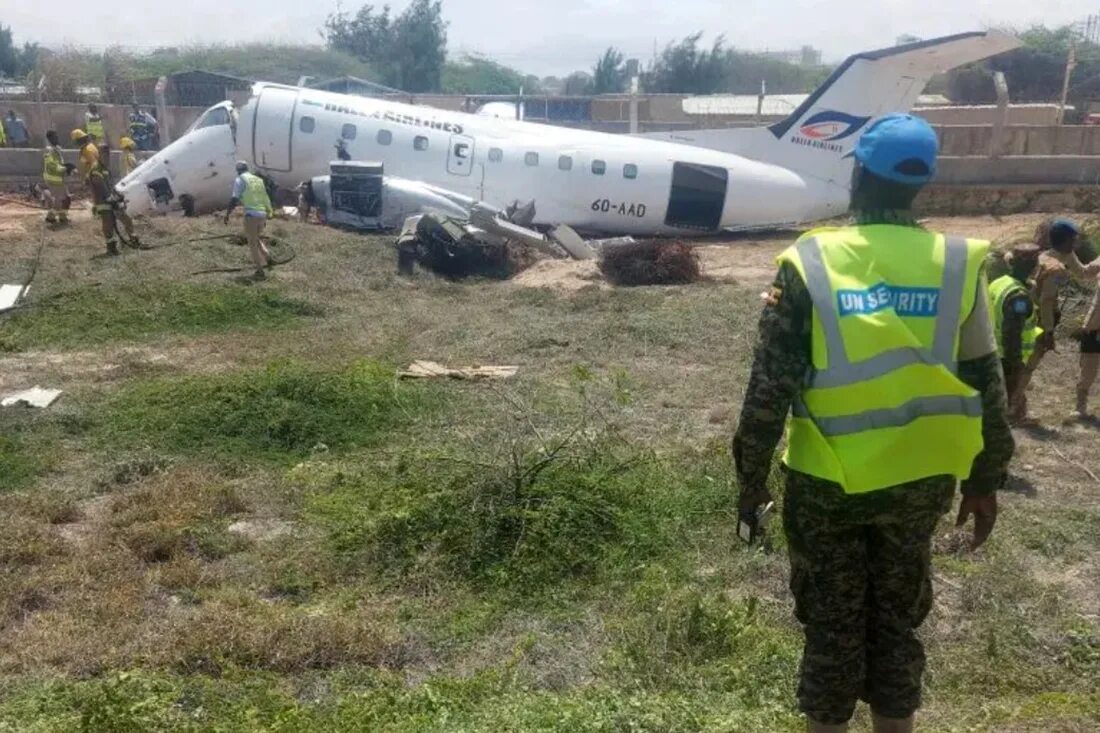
(592,181)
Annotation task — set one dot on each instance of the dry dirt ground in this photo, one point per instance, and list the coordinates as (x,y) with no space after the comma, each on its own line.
(89,594)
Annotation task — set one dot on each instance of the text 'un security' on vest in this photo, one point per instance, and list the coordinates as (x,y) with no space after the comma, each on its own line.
(911,302)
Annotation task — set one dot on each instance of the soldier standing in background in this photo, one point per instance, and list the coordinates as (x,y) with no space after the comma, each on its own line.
(877,339)
(1015,321)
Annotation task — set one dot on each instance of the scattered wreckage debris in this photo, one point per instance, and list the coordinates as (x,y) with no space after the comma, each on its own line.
(458,250)
(650,262)
(489,243)
(34,397)
(432,370)
(11,295)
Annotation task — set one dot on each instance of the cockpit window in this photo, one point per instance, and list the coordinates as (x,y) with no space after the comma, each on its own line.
(214,117)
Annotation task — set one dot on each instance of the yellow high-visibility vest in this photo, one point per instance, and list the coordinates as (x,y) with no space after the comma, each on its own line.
(128,163)
(255,196)
(883,404)
(53,166)
(94,126)
(1000,290)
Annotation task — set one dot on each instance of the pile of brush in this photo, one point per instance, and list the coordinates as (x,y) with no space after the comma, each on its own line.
(650,262)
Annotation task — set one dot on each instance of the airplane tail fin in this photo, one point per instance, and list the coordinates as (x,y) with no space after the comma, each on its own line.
(817,136)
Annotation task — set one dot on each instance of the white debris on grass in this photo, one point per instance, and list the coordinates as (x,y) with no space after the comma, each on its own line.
(10,295)
(34,397)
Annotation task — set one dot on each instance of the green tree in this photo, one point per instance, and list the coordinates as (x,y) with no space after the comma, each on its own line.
(409,51)
(9,54)
(609,74)
(578,84)
(1034,72)
(684,67)
(478,75)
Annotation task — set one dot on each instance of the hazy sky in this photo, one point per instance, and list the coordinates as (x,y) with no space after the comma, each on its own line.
(550,36)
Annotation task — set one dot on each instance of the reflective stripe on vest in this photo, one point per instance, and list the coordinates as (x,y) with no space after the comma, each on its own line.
(1000,290)
(255,196)
(882,404)
(841,371)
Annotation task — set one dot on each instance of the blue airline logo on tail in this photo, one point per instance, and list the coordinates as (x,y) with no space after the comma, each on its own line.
(824,129)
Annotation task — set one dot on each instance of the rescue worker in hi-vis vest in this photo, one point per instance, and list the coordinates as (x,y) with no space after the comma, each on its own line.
(1015,319)
(249,191)
(876,338)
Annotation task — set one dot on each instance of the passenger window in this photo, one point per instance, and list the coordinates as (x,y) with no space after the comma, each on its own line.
(385,137)
(565,163)
(348,132)
(420,143)
(531,158)
(496,155)
(630,171)
(307,124)
(599,167)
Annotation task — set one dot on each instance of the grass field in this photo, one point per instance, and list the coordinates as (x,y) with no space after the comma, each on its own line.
(237,518)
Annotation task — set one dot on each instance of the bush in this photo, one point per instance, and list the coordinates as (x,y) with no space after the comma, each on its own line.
(279,413)
(581,507)
(653,262)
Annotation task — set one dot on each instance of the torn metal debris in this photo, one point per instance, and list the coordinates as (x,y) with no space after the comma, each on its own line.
(34,397)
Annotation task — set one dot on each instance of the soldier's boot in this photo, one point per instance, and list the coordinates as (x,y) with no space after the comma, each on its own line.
(112,248)
(51,217)
(880,724)
(812,726)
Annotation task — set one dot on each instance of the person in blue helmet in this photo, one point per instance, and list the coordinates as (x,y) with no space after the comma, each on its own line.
(1058,239)
(876,352)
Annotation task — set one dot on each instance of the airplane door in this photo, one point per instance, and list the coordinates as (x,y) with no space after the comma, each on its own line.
(697,197)
(460,157)
(272,128)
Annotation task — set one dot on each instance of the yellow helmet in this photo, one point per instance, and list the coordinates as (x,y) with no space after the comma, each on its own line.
(78,134)
(125,143)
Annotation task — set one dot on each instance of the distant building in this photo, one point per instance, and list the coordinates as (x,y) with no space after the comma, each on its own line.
(805,56)
(354,85)
(184,89)
(905,39)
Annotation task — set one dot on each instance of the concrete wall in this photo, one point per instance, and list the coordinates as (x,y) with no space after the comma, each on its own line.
(66,116)
(977,140)
(25,164)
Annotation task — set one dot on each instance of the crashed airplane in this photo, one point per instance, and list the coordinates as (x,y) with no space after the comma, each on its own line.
(681,184)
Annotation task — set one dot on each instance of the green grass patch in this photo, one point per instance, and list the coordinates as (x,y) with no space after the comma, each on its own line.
(95,315)
(580,506)
(28,446)
(279,413)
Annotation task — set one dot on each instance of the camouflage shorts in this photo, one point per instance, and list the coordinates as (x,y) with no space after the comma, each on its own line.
(861,579)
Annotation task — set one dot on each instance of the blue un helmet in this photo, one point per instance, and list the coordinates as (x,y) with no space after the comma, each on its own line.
(899,148)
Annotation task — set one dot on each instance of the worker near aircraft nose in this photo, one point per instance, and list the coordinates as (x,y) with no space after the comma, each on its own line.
(1015,318)
(129,160)
(249,191)
(93,125)
(876,339)
(108,206)
(1058,264)
(54,171)
(89,153)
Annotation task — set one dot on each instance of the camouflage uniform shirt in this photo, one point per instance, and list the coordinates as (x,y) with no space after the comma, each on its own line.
(860,564)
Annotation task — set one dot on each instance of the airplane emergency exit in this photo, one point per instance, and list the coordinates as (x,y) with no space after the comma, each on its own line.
(697,182)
